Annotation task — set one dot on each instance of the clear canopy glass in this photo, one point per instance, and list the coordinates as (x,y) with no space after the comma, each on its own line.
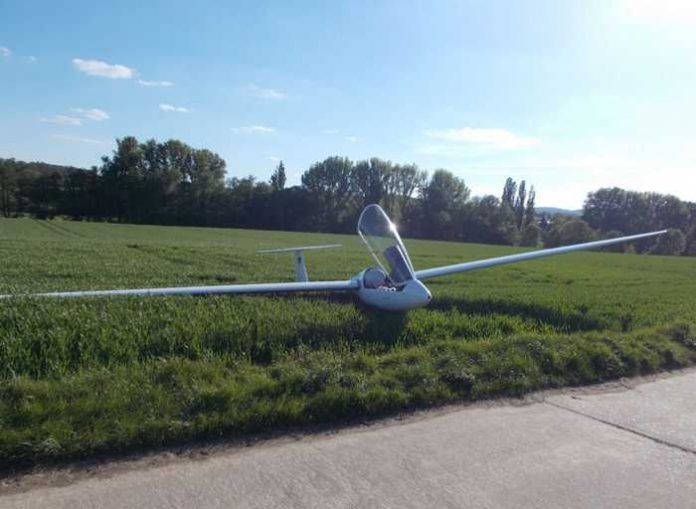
(385,245)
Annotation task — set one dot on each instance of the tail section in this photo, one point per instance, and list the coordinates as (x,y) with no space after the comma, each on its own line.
(298,258)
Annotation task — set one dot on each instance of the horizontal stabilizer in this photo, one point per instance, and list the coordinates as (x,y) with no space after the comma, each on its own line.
(301,248)
(298,256)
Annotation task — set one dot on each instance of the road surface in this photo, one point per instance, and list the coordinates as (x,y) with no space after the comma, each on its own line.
(598,447)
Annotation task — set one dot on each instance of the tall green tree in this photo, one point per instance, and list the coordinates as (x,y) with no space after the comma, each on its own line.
(406,181)
(484,219)
(206,181)
(520,204)
(8,186)
(328,183)
(367,181)
(278,178)
(123,173)
(443,198)
(530,210)
(508,197)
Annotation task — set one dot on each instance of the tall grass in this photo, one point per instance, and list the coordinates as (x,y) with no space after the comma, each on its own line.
(81,377)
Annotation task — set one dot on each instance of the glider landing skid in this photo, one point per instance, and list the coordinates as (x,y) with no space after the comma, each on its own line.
(393,285)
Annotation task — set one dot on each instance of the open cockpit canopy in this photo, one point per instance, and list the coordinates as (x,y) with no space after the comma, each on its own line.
(382,240)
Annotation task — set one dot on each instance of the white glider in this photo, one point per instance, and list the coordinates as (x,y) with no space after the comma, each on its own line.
(392,285)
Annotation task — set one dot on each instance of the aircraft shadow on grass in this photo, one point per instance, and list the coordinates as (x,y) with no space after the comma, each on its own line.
(575,321)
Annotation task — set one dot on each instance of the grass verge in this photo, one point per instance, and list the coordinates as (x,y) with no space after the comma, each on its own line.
(176,399)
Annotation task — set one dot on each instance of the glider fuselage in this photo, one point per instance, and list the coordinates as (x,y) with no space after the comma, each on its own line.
(411,295)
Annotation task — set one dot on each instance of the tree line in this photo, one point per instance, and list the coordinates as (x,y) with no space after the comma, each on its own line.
(171,183)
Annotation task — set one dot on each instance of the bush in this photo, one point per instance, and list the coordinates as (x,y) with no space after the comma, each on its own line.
(672,243)
(615,248)
(691,242)
(530,235)
(575,231)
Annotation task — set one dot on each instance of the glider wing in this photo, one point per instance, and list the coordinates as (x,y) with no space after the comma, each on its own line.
(503,260)
(308,286)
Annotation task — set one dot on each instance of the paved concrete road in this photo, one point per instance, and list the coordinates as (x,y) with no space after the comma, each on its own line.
(587,448)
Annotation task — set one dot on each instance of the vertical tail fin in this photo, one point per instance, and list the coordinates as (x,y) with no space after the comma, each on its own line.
(301,274)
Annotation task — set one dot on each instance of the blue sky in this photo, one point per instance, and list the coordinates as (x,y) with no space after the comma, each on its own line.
(569,95)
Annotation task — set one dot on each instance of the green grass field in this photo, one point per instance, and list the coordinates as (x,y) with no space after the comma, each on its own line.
(86,377)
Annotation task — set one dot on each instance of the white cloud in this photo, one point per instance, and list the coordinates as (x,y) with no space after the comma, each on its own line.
(495,139)
(77,139)
(99,68)
(329,131)
(5,52)
(178,109)
(163,83)
(254,129)
(91,114)
(352,139)
(265,93)
(62,120)
(275,159)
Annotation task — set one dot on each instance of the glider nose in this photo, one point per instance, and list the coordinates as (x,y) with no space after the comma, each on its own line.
(421,293)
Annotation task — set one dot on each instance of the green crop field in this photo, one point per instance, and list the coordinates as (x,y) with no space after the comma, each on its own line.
(86,377)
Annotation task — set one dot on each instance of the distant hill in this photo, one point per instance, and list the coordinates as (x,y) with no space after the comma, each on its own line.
(556,210)
(40,167)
